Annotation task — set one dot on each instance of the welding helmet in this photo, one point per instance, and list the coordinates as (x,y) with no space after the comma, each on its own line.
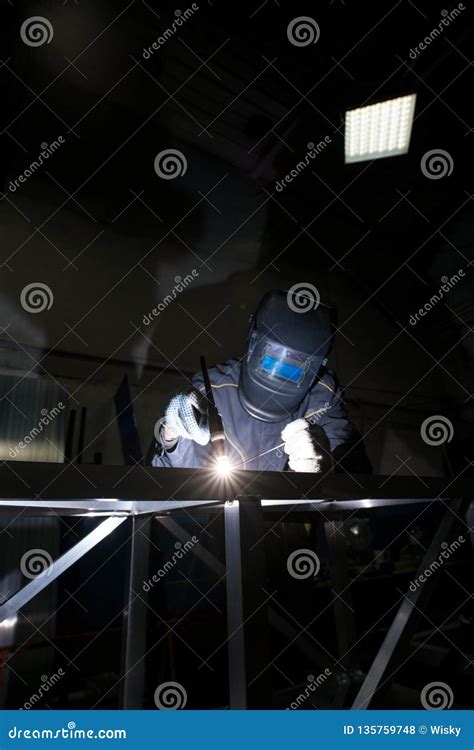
(287,348)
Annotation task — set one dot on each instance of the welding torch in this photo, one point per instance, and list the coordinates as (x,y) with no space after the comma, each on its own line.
(218,460)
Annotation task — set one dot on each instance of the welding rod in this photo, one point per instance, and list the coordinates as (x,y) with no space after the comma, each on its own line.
(247,460)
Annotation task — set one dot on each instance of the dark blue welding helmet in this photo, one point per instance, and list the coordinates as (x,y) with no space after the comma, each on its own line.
(288,345)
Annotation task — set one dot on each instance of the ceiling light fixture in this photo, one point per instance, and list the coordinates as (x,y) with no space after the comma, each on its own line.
(379,130)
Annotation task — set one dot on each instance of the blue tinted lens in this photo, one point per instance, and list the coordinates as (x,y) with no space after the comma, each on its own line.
(280,369)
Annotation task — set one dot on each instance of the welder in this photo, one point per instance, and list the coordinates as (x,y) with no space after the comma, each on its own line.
(281,407)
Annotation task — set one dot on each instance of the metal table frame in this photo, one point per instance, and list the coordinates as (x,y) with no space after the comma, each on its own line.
(117,493)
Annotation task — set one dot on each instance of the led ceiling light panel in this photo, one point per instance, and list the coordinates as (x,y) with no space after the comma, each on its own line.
(379,130)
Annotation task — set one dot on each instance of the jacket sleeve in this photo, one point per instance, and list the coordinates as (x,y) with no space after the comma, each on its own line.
(329,411)
(186,455)
(346,443)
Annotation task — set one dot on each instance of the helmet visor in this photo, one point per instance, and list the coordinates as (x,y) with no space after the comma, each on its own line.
(279,365)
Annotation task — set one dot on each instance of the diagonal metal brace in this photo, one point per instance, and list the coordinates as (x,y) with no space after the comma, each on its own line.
(59,566)
(403,626)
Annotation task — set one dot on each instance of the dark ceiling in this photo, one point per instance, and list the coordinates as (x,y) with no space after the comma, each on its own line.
(231,84)
(231,87)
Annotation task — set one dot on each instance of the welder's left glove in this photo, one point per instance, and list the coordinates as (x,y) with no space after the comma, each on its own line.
(302,451)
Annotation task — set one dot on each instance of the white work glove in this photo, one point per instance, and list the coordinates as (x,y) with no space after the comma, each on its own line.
(300,447)
(186,417)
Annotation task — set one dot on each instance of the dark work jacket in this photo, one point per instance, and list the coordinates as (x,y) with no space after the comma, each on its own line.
(247,437)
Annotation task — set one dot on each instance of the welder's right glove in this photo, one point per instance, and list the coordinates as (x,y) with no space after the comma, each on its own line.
(185,416)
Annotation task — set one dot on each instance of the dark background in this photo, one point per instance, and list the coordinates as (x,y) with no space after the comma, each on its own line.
(109,236)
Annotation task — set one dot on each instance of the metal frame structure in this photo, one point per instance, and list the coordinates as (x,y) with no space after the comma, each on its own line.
(116,493)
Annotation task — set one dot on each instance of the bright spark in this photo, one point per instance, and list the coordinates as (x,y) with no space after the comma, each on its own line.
(223,466)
